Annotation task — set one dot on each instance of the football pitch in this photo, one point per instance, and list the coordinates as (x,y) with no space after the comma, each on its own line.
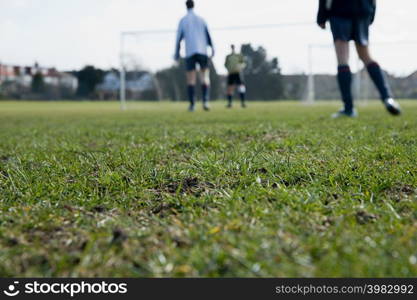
(276,190)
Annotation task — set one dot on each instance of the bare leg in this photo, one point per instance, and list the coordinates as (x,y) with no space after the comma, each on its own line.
(191,82)
(205,76)
(205,81)
(231,89)
(364,54)
(191,78)
(342,52)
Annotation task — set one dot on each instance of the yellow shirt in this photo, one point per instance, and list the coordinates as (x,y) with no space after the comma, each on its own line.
(235,63)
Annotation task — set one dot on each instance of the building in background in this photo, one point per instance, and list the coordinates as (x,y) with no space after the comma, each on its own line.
(17,82)
(140,85)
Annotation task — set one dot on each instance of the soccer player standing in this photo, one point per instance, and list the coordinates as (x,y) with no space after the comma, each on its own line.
(235,63)
(194,30)
(350,20)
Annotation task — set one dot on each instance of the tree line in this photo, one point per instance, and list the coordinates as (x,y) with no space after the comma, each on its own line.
(262,76)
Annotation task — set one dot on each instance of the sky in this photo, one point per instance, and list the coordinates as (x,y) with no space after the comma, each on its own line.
(71,34)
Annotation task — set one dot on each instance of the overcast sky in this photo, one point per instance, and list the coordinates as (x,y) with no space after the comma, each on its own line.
(70,34)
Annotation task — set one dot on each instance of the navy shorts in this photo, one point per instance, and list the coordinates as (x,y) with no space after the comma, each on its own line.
(192,61)
(234,79)
(347,29)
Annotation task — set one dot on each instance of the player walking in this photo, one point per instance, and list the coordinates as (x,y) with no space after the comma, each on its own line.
(235,63)
(194,30)
(350,20)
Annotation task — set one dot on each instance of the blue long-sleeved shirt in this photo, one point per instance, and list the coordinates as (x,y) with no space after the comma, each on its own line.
(194,30)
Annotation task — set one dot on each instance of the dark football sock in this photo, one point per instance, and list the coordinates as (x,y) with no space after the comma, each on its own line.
(344,76)
(379,80)
(242,97)
(191,94)
(229,99)
(205,89)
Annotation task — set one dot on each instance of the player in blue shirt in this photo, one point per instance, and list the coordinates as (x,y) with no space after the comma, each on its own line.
(350,20)
(194,30)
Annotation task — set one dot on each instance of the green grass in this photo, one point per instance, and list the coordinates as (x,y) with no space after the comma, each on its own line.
(276,190)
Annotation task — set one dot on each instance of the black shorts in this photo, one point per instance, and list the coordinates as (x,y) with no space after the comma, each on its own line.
(192,61)
(347,29)
(234,79)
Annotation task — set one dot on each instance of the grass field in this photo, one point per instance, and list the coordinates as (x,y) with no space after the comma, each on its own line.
(276,190)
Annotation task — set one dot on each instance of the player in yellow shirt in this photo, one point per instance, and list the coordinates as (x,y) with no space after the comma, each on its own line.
(235,63)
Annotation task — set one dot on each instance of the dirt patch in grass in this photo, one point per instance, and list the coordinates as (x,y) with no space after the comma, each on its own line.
(119,236)
(400,192)
(5,158)
(190,185)
(164,209)
(363,217)
(274,136)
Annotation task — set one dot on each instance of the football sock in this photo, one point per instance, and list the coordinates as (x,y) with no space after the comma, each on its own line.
(229,99)
(242,97)
(344,76)
(191,94)
(379,79)
(205,89)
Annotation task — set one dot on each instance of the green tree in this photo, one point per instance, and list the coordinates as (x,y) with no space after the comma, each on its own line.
(262,75)
(172,82)
(38,83)
(88,79)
